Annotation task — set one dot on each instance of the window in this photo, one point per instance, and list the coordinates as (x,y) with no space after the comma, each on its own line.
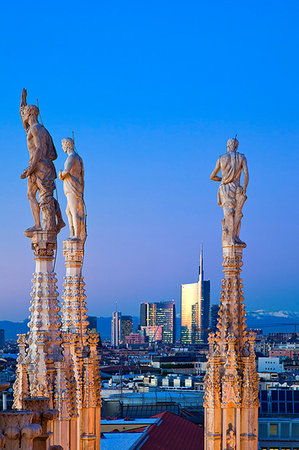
(295,430)
(285,430)
(273,430)
(263,432)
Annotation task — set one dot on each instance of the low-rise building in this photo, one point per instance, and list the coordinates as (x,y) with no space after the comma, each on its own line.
(268,364)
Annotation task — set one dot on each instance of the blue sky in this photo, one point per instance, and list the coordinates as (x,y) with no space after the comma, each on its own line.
(153,90)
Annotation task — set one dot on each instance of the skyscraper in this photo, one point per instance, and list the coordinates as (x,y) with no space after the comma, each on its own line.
(160,313)
(195,309)
(116,329)
(126,327)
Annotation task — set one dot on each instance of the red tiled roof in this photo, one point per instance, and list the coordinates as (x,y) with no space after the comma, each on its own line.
(174,433)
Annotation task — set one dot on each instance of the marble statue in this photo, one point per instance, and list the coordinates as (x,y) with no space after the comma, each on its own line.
(231,438)
(41,172)
(73,183)
(231,195)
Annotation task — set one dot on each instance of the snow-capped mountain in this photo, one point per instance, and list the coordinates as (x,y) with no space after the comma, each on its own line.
(273,321)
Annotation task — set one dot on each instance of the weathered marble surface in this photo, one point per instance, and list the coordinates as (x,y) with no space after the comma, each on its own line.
(40,173)
(73,184)
(231,195)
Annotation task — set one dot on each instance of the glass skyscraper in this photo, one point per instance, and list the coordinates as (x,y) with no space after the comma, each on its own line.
(115,329)
(195,309)
(160,313)
(126,327)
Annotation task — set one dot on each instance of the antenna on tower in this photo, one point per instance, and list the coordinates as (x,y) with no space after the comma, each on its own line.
(201,260)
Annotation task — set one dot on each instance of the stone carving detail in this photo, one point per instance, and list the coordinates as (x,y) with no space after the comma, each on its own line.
(231,381)
(231,195)
(21,384)
(41,172)
(73,184)
(230,438)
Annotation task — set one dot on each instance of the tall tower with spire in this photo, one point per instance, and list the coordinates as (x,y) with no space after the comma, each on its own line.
(195,308)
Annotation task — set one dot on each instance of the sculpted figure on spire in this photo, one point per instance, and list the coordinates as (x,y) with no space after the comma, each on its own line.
(41,172)
(231,195)
(73,183)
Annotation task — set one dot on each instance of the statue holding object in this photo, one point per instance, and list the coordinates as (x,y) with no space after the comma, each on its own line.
(41,172)
(231,195)
(73,184)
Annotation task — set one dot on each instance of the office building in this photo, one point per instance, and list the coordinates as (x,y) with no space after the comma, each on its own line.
(116,329)
(160,313)
(154,333)
(195,309)
(126,327)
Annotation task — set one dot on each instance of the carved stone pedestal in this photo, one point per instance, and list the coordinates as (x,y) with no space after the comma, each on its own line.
(74,318)
(41,347)
(231,382)
(58,368)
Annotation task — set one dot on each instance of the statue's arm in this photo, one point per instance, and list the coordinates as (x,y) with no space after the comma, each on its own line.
(67,168)
(35,157)
(23,104)
(246,174)
(214,175)
(24,98)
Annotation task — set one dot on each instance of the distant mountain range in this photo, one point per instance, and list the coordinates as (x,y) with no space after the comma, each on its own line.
(273,321)
(268,321)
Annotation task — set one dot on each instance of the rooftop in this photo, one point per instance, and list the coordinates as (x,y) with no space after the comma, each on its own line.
(119,441)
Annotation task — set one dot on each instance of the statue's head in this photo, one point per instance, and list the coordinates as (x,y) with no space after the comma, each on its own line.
(67,144)
(29,111)
(232,145)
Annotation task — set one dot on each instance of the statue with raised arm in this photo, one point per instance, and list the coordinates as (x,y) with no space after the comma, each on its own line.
(73,184)
(231,195)
(41,172)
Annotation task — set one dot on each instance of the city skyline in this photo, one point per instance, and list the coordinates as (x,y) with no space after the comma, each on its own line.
(151,114)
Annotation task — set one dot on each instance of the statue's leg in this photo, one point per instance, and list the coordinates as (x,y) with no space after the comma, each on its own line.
(60,221)
(31,194)
(47,206)
(228,224)
(81,214)
(240,200)
(69,218)
(73,207)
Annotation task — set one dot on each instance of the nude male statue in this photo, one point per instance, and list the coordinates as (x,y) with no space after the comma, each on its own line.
(231,195)
(73,184)
(41,172)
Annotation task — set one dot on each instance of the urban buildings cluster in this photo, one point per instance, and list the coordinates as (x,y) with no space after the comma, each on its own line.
(157,320)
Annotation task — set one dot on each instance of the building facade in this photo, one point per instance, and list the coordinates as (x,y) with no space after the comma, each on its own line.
(116,329)
(126,327)
(279,419)
(160,313)
(195,309)
(154,333)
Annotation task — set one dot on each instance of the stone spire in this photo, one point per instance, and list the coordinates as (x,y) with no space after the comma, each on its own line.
(231,382)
